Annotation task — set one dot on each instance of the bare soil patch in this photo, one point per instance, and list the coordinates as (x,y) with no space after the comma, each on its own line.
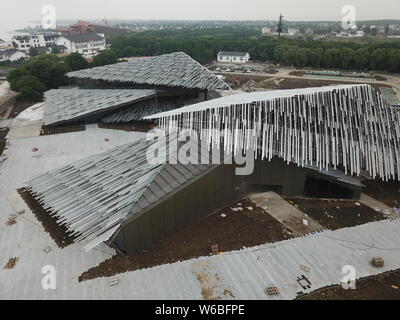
(3,140)
(19,106)
(387,192)
(58,233)
(238,229)
(337,214)
(48,130)
(246,82)
(385,286)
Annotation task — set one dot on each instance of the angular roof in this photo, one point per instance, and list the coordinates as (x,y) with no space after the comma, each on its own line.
(92,197)
(351,126)
(8,52)
(169,70)
(232,54)
(138,111)
(64,105)
(86,37)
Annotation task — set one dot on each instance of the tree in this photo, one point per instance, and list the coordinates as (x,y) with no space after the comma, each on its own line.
(104,58)
(75,61)
(38,74)
(128,51)
(33,52)
(30,88)
(387,30)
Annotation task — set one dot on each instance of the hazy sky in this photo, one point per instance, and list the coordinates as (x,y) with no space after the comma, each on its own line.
(14,13)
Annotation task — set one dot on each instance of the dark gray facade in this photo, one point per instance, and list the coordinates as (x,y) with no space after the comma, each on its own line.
(216,188)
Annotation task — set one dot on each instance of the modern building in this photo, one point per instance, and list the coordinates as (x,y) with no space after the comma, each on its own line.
(233,57)
(12,55)
(128,91)
(304,142)
(88,45)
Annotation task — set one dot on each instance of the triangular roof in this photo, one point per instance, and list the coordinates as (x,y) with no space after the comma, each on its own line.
(90,198)
(169,70)
(66,105)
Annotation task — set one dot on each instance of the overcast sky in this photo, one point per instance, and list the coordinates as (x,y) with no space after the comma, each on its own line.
(14,13)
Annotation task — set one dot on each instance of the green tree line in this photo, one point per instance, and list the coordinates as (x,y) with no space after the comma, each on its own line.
(44,72)
(357,55)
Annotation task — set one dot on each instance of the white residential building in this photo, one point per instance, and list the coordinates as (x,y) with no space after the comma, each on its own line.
(234,57)
(88,45)
(265,31)
(26,42)
(12,55)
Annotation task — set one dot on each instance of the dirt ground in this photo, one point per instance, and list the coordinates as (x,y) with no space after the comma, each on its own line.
(62,129)
(130,126)
(386,192)
(382,287)
(238,229)
(3,134)
(302,73)
(337,214)
(58,233)
(249,82)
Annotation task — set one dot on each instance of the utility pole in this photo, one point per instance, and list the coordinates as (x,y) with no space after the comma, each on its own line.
(280,25)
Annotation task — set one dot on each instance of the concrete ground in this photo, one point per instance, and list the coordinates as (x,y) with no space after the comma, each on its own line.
(27,239)
(291,217)
(24,129)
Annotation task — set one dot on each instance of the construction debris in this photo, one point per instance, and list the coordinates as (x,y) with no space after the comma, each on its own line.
(272,291)
(377,262)
(113,282)
(47,250)
(214,249)
(11,263)
(305,268)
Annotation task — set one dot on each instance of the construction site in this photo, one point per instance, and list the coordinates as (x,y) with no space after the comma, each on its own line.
(77,191)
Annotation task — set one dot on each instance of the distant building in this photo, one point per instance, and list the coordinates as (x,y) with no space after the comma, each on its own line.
(88,45)
(83,27)
(266,31)
(293,31)
(235,57)
(26,42)
(309,31)
(12,55)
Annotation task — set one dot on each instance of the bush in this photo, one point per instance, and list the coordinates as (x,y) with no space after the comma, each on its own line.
(75,61)
(104,58)
(30,88)
(44,70)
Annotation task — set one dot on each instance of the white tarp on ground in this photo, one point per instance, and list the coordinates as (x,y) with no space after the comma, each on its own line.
(33,113)
(4,89)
